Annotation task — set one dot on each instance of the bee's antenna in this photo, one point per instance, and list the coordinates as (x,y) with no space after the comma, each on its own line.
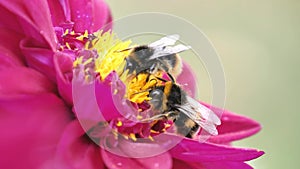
(164,80)
(123,50)
(171,77)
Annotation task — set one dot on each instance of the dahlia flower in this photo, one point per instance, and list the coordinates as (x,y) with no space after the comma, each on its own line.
(65,103)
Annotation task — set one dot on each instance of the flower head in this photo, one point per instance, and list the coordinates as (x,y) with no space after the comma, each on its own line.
(54,60)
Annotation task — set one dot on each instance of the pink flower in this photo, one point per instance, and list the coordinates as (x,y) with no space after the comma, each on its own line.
(40,128)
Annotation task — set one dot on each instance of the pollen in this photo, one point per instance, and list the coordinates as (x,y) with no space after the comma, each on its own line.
(151,138)
(85,35)
(138,88)
(77,61)
(119,123)
(108,47)
(66,32)
(132,136)
(68,45)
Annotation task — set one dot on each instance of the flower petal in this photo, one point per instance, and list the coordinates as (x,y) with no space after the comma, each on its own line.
(223,165)
(233,127)
(60,11)
(30,127)
(40,59)
(101,16)
(195,151)
(10,54)
(89,15)
(114,161)
(178,164)
(63,66)
(9,21)
(110,97)
(187,79)
(23,80)
(76,151)
(36,24)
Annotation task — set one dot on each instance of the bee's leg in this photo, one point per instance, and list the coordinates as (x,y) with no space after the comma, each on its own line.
(170,115)
(125,67)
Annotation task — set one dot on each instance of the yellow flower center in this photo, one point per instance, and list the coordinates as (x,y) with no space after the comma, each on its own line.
(111,54)
(138,87)
(108,47)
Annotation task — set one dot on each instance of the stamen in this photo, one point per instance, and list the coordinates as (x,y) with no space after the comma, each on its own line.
(119,124)
(68,45)
(151,138)
(77,62)
(132,136)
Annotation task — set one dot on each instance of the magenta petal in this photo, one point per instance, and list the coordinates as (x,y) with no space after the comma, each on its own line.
(85,104)
(110,103)
(60,11)
(63,67)
(195,151)
(96,101)
(30,127)
(178,164)
(188,80)
(233,127)
(22,80)
(75,150)
(9,21)
(223,165)
(101,16)
(36,24)
(118,162)
(89,14)
(40,59)
(10,54)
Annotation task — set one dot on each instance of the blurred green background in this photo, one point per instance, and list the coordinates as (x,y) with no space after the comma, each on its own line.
(258,44)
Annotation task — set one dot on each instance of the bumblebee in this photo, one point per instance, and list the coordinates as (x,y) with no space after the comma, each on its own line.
(171,102)
(157,56)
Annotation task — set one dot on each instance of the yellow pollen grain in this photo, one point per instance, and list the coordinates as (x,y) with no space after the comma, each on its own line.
(119,123)
(139,117)
(167,125)
(68,45)
(81,37)
(66,32)
(115,91)
(126,137)
(72,33)
(153,131)
(132,136)
(77,61)
(151,138)
(115,133)
(138,88)
(86,33)
(88,61)
(108,46)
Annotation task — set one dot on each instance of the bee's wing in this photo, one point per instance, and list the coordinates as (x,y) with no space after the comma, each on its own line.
(165,41)
(167,50)
(201,115)
(206,125)
(205,112)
